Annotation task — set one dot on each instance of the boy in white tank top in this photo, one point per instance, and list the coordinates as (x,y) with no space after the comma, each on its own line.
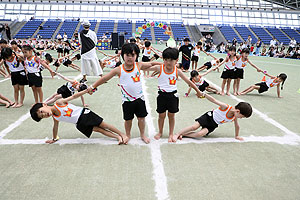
(211,119)
(167,99)
(86,121)
(131,88)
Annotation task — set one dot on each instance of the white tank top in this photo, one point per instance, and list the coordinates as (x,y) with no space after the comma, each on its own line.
(111,63)
(241,64)
(13,65)
(147,52)
(32,65)
(200,82)
(213,63)
(196,51)
(68,113)
(230,64)
(71,86)
(167,82)
(130,83)
(270,82)
(220,116)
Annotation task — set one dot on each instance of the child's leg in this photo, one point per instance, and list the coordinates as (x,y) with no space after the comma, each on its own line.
(22,93)
(35,94)
(171,117)
(7,104)
(238,86)
(250,89)
(223,86)
(186,130)
(202,68)
(108,134)
(228,86)
(75,67)
(114,130)
(16,94)
(142,125)
(161,120)
(212,89)
(234,87)
(201,133)
(40,93)
(193,63)
(196,65)
(128,125)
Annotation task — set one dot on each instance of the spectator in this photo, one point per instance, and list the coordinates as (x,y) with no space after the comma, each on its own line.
(273,43)
(234,42)
(249,41)
(7,31)
(258,45)
(292,44)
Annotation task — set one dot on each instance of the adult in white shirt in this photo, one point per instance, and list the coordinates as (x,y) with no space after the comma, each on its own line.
(59,37)
(65,36)
(249,41)
(89,59)
(292,44)
(273,42)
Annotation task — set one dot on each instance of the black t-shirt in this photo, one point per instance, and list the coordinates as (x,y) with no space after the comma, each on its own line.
(186,51)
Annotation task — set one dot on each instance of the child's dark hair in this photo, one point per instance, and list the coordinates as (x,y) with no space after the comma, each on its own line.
(245,109)
(82,87)
(186,40)
(170,53)
(49,57)
(6,53)
(33,111)
(199,43)
(221,60)
(27,47)
(132,40)
(130,48)
(147,44)
(194,73)
(13,42)
(232,48)
(2,41)
(283,77)
(245,50)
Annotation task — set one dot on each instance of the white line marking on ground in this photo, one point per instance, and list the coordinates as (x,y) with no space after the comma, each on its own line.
(17,123)
(4,80)
(161,187)
(262,115)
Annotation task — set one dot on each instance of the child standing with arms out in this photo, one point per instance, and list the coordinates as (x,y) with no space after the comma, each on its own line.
(131,88)
(34,75)
(16,69)
(167,99)
(240,65)
(212,119)
(228,72)
(195,56)
(265,85)
(86,121)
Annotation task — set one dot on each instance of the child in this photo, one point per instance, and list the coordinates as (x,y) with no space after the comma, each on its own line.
(15,48)
(110,61)
(16,69)
(199,81)
(186,50)
(195,56)
(265,85)
(67,47)
(35,79)
(228,72)
(86,121)
(6,101)
(212,119)
(167,99)
(67,90)
(240,65)
(131,88)
(147,54)
(212,63)
(59,48)
(67,62)
(264,51)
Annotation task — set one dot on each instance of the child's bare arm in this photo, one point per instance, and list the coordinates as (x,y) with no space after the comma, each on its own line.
(154,68)
(189,91)
(146,65)
(55,131)
(269,75)
(65,78)
(112,73)
(83,102)
(44,64)
(63,102)
(211,55)
(237,129)
(258,70)
(225,60)
(215,101)
(189,82)
(278,91)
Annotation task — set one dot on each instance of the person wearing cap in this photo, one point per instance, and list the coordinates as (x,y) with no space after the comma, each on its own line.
(89,60)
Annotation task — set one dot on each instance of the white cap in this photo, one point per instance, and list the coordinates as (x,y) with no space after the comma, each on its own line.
(86,23)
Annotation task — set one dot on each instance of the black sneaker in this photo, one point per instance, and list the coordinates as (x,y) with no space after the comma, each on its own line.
(83,80)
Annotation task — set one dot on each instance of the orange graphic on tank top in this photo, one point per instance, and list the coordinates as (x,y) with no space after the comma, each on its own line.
(243,65)
(68,112)
(136,78)
(222,122)
(172,81)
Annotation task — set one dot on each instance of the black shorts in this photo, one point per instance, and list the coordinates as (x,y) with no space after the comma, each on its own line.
(67,51)
(156,56)
(78,56)
(118,64)
(67,63)
(195,58)
(208,65)
(145,59)
(262,87)
(19,78)
(131,108)
(39,48)
(35,79)
(207,121)
(87,121)
(228,74)
(167,101)
(185,64)
(64,91)
(239,73)
(203,86)
(59,50)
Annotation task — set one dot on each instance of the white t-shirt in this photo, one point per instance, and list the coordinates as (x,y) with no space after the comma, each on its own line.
(92,53)
(273,43)
(293,43)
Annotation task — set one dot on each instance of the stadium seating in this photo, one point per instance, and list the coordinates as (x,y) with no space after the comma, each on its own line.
(179,31)
(245,32)
(262,34)
(147,33)
(48,29)
(106,26)
(292,33)
(68,27)
(229,33)
(28,29)
(160,34)
(126,28)
(279,35)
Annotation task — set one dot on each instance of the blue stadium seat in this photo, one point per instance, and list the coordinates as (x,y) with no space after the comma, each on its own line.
(147,33)
(229,33)
(245,32)
(262,34)
(68,27)
(106,26)
(292,33)
(124,26)
(179,31)
(28,29)
(279,35)
(48,29)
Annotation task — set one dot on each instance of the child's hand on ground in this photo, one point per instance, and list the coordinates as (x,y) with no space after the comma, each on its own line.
(239,138)
(186,95)
(86,105)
